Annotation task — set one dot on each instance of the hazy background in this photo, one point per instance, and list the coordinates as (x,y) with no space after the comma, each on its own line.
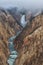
(28,4)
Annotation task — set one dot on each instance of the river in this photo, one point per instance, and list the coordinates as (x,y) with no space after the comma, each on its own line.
(13,53)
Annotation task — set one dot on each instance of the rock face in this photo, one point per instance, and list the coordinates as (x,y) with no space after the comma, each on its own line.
(29,43)
(8,28)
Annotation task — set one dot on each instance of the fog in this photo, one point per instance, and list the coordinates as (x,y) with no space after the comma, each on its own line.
(28,4)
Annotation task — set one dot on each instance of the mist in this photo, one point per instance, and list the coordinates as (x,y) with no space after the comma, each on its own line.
(28,4)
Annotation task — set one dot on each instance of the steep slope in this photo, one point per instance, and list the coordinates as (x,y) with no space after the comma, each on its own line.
(29,43)
(8,28)
(15,13)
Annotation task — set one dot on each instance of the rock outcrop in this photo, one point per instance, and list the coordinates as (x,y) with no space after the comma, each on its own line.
(29,43)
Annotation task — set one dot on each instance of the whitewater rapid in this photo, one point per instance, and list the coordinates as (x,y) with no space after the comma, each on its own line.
(13,53)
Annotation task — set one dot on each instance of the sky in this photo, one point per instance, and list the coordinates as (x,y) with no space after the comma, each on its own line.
(22,3)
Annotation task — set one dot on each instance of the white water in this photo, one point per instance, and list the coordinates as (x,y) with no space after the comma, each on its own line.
(13,53)
(22,21)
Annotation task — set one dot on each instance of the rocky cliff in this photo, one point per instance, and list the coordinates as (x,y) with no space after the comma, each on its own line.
(8,28)
(29,43)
